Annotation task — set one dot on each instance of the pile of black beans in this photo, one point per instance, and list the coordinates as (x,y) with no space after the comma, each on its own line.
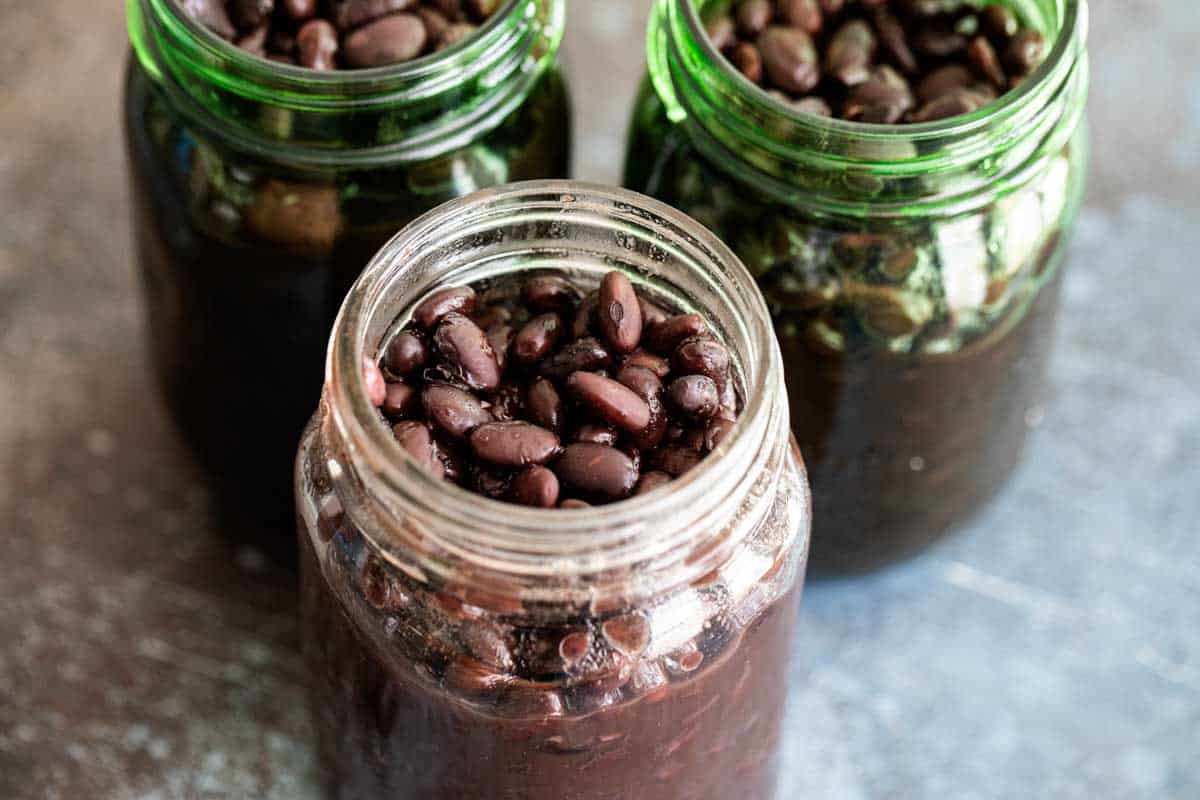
(531,391)
(878,61)
(342,34)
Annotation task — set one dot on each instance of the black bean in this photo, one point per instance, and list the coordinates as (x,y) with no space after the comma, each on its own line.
(611,401)
(454,411)
(535,486)
(317,45)
(596,434)
(716,432)
(695,396)
(545,405)
(748,60)
(584,321)
(951,104)
(675,460)
(513,444)
(585,354)
(790,59)
(465,347)
(212,15)
(850,53)
(1025,51)
(596,469)
(999,22)
(895,41)
(699,355)
(255,41)
(938,41)
(400,401)
(414,437)
(299,10)
(942,81)
(537,338)
(388,40)
(250,13)
(376,385)
(983,57)
(652,313)
(651,481)
(457,32)
(644,358)
(664,337)
(350,14)
(722,31)
(500,337)
(883,98)
(618,313)
(550,293)
(753,16)
(572,503)
(507,402)
(803,14)
(458,299)
(435,22)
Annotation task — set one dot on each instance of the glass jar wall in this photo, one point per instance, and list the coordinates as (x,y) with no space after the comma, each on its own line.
(261,190)
(460,647)
(912,271)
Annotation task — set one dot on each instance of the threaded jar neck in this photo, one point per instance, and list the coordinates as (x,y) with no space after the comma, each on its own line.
(415,111)
(427,526)
(838,167)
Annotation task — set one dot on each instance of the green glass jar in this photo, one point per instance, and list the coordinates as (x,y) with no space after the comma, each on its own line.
(261,190)
(912,271)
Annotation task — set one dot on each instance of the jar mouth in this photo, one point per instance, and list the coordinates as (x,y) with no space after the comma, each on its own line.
(557,542)
(342,81)
(698,84)
(956,126)
(397,114)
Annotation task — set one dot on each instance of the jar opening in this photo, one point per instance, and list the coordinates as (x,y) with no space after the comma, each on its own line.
(587,230)
(413,111)
(794,154)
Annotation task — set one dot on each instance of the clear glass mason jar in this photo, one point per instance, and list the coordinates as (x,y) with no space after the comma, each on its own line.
(260,190)
(912,271)
(463,647)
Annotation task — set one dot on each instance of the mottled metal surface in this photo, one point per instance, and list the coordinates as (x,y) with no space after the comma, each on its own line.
(1051,650)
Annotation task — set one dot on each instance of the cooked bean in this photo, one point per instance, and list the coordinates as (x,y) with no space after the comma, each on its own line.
(513,444)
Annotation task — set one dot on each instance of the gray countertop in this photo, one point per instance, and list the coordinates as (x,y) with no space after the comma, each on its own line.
(1052,649)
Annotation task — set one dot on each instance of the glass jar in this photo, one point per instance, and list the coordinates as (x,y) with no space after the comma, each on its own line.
(260,190)
(912,271)
(463,647)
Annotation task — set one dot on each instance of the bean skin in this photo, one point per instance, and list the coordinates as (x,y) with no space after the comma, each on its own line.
(535,486)
(389,40)
(618,313)
(405,354)
(454,411)
(585,354)
(466,348)
(400,401)
(373,378)
(664,337)
(414,437)
(596,469)
(537,338)
(611,401)
(513,444)
(457,299)
(545,405)
(695,396)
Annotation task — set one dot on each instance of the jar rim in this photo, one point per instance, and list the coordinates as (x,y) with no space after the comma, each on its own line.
(303,79)
(415,110)
(494,529)
(677,33)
